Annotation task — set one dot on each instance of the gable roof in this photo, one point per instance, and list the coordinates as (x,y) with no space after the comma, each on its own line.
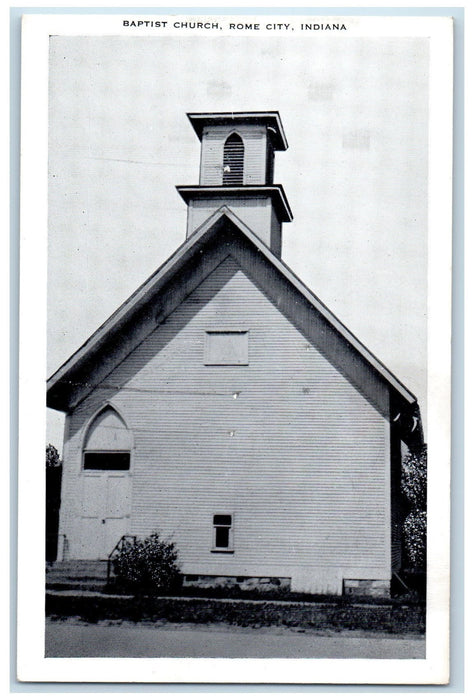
(125,329)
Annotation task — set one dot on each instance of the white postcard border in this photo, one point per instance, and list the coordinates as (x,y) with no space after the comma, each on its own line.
(31,662)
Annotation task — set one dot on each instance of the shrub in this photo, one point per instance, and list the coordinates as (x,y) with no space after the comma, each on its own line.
(414,481)
(53,501)
(415,538)
(148,566)
(414,476)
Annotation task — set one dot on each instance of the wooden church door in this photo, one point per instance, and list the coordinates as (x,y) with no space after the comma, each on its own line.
(105,514)
(106,486)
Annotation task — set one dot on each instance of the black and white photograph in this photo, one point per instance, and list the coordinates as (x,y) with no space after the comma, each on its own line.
(245,237)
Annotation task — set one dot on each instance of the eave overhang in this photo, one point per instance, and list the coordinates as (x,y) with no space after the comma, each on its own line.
(275,192)
(271,120)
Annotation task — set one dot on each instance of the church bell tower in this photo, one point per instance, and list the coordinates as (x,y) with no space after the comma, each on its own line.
(237,156)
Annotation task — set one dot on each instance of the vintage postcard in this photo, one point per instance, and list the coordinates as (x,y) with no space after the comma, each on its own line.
(235,263)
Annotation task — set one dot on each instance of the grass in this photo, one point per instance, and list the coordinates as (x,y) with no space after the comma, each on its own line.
(335,614)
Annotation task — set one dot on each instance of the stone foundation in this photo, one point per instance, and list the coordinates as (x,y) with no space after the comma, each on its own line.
(375,588)
(246,583)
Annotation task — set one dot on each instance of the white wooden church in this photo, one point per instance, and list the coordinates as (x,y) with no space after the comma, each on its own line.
(224,406)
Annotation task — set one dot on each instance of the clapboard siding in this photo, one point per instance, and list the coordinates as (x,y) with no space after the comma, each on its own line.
(285,444)
(318,332)
(255,212)
(212,153)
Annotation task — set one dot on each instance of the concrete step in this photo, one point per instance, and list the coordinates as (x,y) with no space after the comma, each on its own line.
(77,574)
(95,586)
(88,565)
(50,578)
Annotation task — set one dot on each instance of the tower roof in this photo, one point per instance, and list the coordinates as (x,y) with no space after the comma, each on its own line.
(270,119)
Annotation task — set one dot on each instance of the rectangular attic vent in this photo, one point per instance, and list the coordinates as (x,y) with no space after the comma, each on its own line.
(226,347)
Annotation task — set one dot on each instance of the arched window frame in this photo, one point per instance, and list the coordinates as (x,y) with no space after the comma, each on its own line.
(233,157)
(85,438)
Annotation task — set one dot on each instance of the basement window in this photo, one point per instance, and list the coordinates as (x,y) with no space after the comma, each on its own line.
(226,347)
(222,540)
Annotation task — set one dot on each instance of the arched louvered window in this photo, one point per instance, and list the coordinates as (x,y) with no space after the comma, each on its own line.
(233,161)
(108,443)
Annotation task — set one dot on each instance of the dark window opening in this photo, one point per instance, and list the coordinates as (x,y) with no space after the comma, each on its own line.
(107,461)
(222,531)
(233,161)
(222,537)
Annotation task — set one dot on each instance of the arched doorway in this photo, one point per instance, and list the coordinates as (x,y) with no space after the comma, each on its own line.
(106,485)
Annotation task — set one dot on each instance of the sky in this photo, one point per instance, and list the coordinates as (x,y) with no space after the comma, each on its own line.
(355,113)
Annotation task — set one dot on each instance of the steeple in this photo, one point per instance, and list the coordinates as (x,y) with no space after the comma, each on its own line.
(237,156)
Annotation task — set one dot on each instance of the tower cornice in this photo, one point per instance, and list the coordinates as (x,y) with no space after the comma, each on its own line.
(200,120)
(275,192)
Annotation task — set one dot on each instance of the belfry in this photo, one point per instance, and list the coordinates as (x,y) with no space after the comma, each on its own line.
(237,164)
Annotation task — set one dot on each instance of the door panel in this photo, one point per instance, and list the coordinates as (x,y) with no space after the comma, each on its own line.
(118,496)
(92,538)
(105,513)
(92,496)
(115,528)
